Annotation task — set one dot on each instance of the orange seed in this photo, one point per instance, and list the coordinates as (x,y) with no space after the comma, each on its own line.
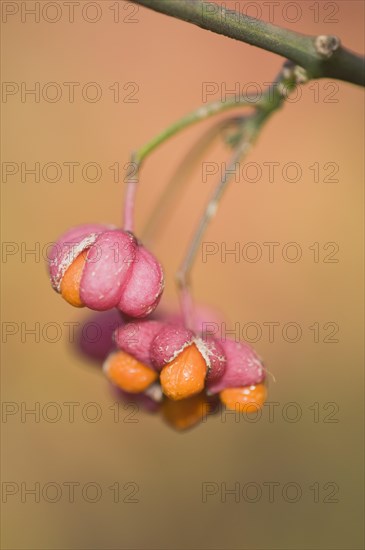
(129,374)
(245,399)
(70,285)
(185,375)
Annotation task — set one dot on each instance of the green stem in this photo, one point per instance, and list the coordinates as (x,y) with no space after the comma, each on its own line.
(198,115)
(141,154)
(163,208)
(321,56)
(275,94)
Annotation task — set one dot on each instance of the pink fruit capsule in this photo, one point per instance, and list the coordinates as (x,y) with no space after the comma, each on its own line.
(106,268)
(136,337)
(143,290)
(169,342)
(176,339)
(243,367)
(68,247)
(185,361)
(94,338)
(183,368)
(215,357)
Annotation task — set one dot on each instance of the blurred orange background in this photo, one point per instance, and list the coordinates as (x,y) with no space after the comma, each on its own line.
(165,63)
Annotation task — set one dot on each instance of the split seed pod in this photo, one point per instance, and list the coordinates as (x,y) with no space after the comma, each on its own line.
(185,361)
(136,338)
(240,387)
(101,268)
(130,368)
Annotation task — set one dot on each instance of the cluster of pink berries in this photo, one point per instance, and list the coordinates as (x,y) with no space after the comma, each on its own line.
(103,268)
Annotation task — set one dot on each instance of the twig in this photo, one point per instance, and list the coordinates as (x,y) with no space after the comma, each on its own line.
(321,56)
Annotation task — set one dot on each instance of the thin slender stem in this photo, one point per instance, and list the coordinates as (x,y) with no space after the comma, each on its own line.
(202,113)
(250,131)
(181,175)
(141,154)
(130,195)
(321,56)
(211,209)
(183,276)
